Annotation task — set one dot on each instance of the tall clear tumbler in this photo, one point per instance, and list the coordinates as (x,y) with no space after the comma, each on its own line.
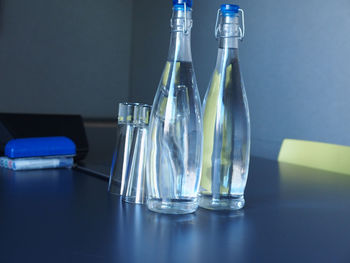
(125,138)
(135,182)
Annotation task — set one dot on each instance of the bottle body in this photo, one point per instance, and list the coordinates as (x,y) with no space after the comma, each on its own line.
(226,132)
(175,132)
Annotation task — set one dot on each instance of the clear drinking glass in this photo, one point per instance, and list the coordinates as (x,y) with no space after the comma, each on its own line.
(135,181)
(226,124)
(175,131)
(125,137)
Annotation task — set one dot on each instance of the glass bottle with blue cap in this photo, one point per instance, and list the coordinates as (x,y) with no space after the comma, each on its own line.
(175,130)
(226,124)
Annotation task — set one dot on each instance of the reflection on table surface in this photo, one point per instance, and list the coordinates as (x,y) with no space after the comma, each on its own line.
(292,214)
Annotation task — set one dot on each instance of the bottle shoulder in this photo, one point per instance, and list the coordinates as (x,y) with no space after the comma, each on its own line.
(226,86)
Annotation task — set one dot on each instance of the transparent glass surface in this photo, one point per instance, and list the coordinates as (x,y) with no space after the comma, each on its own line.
(135,186)
(226,132)
(121,156)
(175,131)
(125,142)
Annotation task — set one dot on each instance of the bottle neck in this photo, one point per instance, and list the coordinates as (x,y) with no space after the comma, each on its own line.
(228,43)
(228,32)
(180,39)
(225,57)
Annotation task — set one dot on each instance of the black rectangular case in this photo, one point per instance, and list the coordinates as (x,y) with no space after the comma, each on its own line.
(14,126)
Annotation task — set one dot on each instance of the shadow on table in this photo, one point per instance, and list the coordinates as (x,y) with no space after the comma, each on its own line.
(263,186)
(181,238)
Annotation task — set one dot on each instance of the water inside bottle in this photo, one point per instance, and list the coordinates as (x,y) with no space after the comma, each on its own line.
(175,134)
(226,135)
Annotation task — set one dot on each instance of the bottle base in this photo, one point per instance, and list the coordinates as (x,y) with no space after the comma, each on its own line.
(172,206)
(229,202)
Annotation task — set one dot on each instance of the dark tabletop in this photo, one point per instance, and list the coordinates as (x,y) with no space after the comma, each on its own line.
(292,214)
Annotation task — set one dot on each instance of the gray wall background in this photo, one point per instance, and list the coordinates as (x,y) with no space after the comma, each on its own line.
(81,56)
(295,61)
(64,56)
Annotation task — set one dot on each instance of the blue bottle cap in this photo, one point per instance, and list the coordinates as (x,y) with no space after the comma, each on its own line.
(178,3)
(229,10)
